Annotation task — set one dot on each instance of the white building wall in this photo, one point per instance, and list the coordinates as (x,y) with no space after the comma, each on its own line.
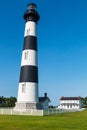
(70,104)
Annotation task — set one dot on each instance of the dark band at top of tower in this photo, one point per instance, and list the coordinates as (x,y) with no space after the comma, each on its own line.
(31,14)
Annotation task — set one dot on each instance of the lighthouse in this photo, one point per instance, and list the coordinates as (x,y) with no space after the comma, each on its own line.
(28,95)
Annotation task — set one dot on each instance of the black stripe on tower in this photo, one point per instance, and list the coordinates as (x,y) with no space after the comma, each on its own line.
(30,42)
(29,74)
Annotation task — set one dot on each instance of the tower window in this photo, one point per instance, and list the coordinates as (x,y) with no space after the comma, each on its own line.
(26,55)
(28,31)
(23,88)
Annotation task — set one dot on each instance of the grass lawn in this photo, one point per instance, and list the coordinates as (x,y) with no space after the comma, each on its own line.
(69,121)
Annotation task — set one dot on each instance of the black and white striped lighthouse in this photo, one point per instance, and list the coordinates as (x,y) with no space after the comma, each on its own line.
(28,96)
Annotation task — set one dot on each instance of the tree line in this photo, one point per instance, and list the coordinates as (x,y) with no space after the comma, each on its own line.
(7,101)
(84,101)
(10,101)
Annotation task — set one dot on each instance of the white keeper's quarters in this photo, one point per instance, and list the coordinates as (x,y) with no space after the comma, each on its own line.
(70,103)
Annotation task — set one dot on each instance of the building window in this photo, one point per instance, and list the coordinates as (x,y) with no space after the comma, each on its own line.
(70,106)
(23,88)
(26,55)
(67,106)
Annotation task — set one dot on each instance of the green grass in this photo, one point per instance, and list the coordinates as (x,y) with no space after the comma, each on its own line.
(69,121)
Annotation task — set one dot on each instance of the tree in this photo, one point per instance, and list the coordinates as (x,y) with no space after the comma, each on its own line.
(11,101)
(7,102)
(84,101)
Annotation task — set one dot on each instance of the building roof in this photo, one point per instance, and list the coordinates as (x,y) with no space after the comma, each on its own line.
(70,98)
(43,99)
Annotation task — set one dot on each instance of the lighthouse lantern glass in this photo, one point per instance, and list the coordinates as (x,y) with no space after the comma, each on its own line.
(31,6)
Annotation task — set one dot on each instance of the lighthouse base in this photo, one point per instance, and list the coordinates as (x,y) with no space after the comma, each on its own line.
(26,106)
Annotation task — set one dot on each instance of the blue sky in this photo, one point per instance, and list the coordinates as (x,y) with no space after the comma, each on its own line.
(62,47)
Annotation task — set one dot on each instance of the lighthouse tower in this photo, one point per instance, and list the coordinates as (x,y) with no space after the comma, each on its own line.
(28,97)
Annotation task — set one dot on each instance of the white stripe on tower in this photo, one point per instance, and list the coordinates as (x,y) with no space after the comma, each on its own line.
(30,28)
(28,84)
(29,57)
